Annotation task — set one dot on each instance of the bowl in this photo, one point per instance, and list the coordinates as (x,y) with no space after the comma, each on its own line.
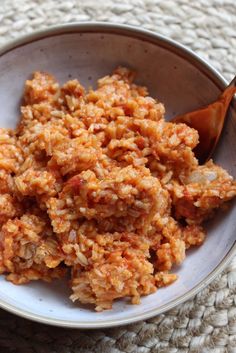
(182,81)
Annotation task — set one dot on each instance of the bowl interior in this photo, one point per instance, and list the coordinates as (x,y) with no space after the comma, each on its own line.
(181,84)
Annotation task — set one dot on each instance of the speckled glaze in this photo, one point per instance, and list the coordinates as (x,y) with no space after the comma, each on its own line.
(182,82)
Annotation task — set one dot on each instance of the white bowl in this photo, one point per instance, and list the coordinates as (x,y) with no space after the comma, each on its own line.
(182,81)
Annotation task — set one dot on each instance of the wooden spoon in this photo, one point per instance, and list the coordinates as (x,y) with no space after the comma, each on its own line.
(209,122)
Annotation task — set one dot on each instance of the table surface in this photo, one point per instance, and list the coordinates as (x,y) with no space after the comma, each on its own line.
(207,323)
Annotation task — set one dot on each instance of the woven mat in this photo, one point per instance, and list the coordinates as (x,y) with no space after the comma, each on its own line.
(207,323)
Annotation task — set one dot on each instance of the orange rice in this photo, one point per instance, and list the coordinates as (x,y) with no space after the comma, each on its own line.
(97,183)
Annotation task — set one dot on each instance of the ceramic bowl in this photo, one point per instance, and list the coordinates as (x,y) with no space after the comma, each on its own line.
(182,81)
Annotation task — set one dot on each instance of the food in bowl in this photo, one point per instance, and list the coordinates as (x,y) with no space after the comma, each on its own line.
(96,183)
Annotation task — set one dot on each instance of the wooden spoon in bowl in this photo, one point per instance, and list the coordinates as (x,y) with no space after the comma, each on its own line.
(209,122)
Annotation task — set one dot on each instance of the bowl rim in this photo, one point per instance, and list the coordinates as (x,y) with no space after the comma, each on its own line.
(181,50)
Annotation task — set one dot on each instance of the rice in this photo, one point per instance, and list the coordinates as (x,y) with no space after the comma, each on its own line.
(96,183)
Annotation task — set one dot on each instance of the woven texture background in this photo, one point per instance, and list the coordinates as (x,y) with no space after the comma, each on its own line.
(207,323)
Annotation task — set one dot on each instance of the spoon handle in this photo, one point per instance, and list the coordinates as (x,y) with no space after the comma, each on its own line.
(229,92)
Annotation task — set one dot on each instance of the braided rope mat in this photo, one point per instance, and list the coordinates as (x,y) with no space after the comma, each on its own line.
(207,323)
